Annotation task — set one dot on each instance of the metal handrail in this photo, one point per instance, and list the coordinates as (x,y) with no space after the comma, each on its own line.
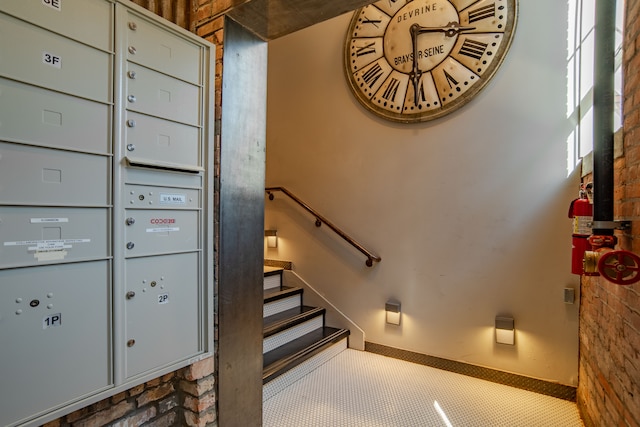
(371,257)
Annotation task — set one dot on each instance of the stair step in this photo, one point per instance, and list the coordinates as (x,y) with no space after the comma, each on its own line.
(278,300)
(283,381)
(289,318)
(287,356)
(292,333)
(272,278)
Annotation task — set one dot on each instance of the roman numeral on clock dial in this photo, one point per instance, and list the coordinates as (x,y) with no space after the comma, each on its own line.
(371,23)
(452,79)
(365,51)
(477,51)
(371,77)
(391,94)
(390,7)
(427,96)
(486,16)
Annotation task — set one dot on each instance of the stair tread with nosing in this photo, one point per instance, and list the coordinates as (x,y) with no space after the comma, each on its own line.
(272,271)
(275,294)
(286,319)
(290,355)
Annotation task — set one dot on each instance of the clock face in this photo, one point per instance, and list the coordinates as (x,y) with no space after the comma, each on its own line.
(417,60)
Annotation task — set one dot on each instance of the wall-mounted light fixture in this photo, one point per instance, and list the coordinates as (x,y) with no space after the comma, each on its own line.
(505,330)
(393,313)
(272,238)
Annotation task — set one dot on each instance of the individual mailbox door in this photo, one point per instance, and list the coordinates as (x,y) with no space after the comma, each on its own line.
(92,19)
(156,48)
(55,334)
(151,232)
(163,142)
(161,311)
(38,116)
(43,176)
(36,236)
(52,61)
(156,94)
(144,196)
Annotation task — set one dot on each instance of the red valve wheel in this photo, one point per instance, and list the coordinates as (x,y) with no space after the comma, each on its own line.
(620,267)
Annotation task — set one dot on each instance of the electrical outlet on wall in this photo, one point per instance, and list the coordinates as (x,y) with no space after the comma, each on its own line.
(569,295)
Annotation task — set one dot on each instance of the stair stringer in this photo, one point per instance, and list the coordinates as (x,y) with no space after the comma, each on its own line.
(333,315)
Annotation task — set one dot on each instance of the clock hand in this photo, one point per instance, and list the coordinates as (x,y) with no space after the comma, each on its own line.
(449,30)
(415,73)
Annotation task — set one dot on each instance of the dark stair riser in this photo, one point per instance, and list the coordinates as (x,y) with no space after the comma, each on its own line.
(272,295)
(280,360)
(289,318)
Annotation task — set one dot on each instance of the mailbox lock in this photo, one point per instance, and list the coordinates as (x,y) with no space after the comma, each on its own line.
(131,123)
(132,74)
(131,343)
(133,26)
(131,147)
(153,284)
(34,303)
(130,294)
(141,197)
(131,221)
(130,245)
(131,98)
(132,50)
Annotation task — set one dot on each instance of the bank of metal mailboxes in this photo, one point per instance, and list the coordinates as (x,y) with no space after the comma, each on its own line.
(105,253)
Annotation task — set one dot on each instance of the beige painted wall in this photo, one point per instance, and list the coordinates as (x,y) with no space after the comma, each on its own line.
(469,212)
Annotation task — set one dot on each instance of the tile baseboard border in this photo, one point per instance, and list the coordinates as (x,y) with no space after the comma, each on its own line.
(547,388)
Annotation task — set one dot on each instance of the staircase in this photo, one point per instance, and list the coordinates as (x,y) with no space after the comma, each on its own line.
(296,339)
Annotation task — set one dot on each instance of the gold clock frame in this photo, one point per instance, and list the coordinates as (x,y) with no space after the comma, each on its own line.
(455,29)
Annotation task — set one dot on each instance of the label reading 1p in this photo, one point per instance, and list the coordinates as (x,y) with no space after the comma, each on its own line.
(173,199)
(163,298)
(52,320)
(53,4)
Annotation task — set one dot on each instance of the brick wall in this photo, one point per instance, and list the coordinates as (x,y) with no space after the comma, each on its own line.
(609,370)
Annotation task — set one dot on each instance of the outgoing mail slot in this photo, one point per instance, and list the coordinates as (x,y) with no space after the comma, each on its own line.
(87,21)
(161,311)
(161,231)
(37,236)
(145,196)
(38,116)
(158,49)
(163,142)
(55,62)
(43,176)
(55,335)
(162,96)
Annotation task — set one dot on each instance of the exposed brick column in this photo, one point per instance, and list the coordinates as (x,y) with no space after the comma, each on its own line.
(156,403)
(609,372)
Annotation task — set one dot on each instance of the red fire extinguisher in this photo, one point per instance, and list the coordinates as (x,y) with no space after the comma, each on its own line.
(581,210)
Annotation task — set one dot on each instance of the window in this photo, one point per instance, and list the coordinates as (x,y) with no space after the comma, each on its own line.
(580,79)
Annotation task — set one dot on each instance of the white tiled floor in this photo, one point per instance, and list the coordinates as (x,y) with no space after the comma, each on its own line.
(358,388)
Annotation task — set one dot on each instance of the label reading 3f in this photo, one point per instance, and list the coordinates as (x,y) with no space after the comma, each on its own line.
(50,59)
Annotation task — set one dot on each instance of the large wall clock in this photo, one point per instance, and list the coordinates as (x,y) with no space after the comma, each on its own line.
(417,60)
